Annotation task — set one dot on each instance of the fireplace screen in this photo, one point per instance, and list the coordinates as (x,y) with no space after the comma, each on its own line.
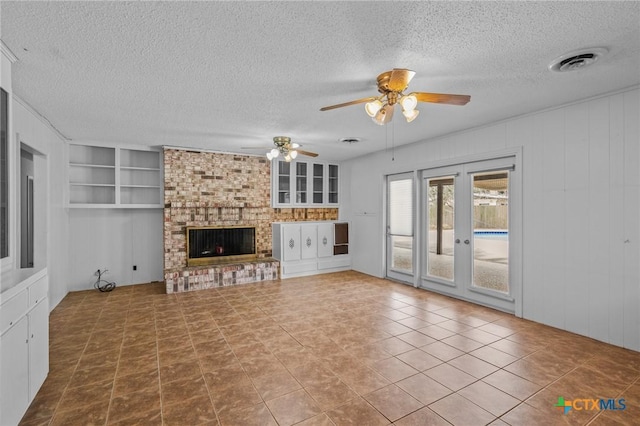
(215,245)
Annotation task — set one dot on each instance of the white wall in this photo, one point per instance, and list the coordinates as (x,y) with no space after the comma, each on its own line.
(581,202)
(115,239)
(35,132)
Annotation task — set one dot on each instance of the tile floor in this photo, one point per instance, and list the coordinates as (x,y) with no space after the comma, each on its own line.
(338,349)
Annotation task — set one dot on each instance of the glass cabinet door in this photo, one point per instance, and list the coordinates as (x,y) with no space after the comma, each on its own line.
(301,183)
(284,182)
(318,183)
(333,184)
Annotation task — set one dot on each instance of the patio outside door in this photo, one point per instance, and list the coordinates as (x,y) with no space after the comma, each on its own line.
(467,221)
(400,218)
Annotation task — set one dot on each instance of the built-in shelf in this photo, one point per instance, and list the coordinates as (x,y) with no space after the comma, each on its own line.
(114,177)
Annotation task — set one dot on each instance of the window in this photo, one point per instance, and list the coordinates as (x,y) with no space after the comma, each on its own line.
(4,174)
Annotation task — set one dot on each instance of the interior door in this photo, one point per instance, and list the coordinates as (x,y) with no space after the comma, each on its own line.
(400,227)
(467,224)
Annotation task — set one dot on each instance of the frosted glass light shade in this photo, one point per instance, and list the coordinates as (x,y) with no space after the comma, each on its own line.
(408,102)
(372,107)
(269,156)
(410,115)
(275,152)
(293,154)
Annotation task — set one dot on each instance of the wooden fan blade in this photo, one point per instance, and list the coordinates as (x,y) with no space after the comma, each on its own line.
(307,153)
(399,79)
(442,98)
(357,101)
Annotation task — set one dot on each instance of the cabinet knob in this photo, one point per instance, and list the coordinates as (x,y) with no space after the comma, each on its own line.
(292,243)
(324,241)
(308,242)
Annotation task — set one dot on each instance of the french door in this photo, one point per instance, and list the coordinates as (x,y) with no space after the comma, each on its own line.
(467,232)
(400,227)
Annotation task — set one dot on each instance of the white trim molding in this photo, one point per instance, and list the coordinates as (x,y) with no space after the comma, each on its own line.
(7,52)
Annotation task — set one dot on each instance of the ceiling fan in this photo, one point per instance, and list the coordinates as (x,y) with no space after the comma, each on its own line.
(392,85)
(284,146)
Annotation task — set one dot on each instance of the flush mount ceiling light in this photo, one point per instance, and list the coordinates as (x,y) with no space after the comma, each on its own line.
(577,59)
(392,85)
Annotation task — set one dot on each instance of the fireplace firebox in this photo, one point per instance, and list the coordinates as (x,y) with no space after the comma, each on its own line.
(208,245)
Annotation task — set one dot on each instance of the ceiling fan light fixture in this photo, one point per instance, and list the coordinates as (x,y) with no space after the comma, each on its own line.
(373,107)
(293,154)
(409,102)
(275,152)
(410,115)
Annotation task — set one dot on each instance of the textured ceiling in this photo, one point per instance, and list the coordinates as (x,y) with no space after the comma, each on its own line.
(225,75)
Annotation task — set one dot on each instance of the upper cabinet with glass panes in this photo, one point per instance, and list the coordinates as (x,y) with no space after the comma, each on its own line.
(304,183)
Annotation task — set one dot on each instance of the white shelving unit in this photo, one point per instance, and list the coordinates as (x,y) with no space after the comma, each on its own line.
(114,177)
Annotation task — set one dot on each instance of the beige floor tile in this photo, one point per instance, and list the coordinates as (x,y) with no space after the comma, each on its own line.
(316,345)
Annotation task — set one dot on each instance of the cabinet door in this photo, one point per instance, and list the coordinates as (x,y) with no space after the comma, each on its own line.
(302,173)
(309,241)
(291,242)
(332,193)
(325,239)
(284,182)
(14,370)
(38,346)
(318,184)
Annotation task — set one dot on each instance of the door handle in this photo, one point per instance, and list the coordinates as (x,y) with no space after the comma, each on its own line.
(466,241)
(457,240)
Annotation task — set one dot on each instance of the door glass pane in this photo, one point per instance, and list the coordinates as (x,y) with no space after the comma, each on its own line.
(491,231)
(333,184)
(284,183)
(301,183)
(318,183)
(440,218)
(401,224)
(4,174)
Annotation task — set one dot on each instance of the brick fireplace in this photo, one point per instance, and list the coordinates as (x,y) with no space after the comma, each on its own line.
(207,189)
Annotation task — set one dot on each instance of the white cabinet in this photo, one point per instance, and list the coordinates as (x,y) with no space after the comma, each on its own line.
(308,248)
(291,243)
(38,337)
(101,176)
(304,183)
(14,371)
(24,345)
(325,239)
(309,241)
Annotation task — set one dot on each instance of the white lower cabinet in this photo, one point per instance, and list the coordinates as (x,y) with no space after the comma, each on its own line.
(325,240)
(307,248)
(309,241)
(24,346)
(14,373)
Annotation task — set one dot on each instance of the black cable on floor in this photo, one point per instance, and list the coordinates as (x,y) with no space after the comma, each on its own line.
(103,285)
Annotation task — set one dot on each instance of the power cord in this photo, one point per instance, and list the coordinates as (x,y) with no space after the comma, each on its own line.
(103,285)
